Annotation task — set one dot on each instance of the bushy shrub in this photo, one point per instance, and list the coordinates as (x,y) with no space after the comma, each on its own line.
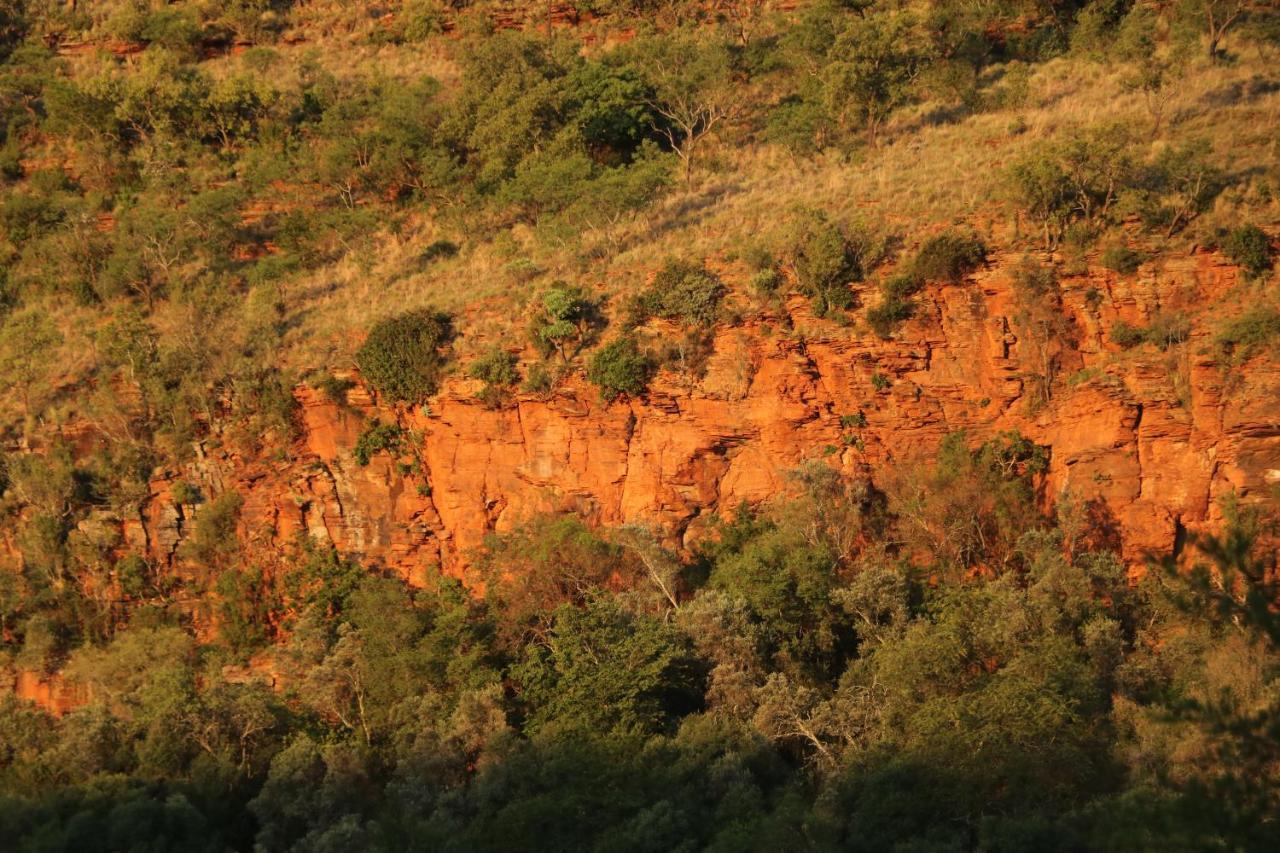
(565,319)
(438,250)
(377,438)
(825,262)
(901,286)
(184,493)
(1244,336)
(335,389)
(1120,258)
(620,368)
(497,370)
(766,282)
(1126,336)
(886,316)
(1168,329)
(401,357)
(214,536)
(1164,330)
(683,292)
(1250,248)
(421,19)
(948,257)
(495,367)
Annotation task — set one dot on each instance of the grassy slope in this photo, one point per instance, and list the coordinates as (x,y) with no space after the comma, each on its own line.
(931,170)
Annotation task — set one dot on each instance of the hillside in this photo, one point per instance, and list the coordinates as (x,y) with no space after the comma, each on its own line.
(838,425)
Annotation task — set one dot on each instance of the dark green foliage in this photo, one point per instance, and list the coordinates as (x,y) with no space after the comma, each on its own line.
(1164,330)
(245,606)
(889,314)
(948,257)
(1126,336)
(1250,247)
(376,438)
(335,389)
(401,356)
(321,581)
(214,538)
(683,292)
(825,262)
(1078,181)
(945,258)
(1246,335)
(619,367)
(497,370)
(14,25)
(438,250)
(786,582)
(1120,258)
(603,670)
(565,319)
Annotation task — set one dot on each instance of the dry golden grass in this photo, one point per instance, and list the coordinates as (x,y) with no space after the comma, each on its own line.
(928,175)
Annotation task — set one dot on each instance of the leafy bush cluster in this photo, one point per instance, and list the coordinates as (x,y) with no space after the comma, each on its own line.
(402,358)
(1121,259)
(619,367)
(498,370)
(375,439)
(1250,247)
(564,321)
(1164,330)
(825,262)
(683,292)
(948,257)
(1244,336)
(944,258)
(1100,175)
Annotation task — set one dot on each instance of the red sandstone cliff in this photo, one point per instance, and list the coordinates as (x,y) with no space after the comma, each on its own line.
(1152,437)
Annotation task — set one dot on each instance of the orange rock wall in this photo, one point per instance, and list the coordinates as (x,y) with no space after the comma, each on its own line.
(1153,437)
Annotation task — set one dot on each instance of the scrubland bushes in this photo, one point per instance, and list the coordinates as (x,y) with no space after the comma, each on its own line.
(683,292)
(1250,247)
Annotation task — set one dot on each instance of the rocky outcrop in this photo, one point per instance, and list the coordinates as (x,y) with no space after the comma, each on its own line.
(1149,438)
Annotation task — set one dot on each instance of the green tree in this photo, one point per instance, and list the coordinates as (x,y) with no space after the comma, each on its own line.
(619,367)
(28,347)
(684,292)
(497,370)
(824,260)
(690,78)
(565,321)
(1212,19)
(604,670)
(875,61)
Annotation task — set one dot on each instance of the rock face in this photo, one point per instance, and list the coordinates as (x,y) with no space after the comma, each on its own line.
(1149,438)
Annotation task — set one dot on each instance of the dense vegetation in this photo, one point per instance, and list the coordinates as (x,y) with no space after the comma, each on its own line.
(203,204)
(932,665)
